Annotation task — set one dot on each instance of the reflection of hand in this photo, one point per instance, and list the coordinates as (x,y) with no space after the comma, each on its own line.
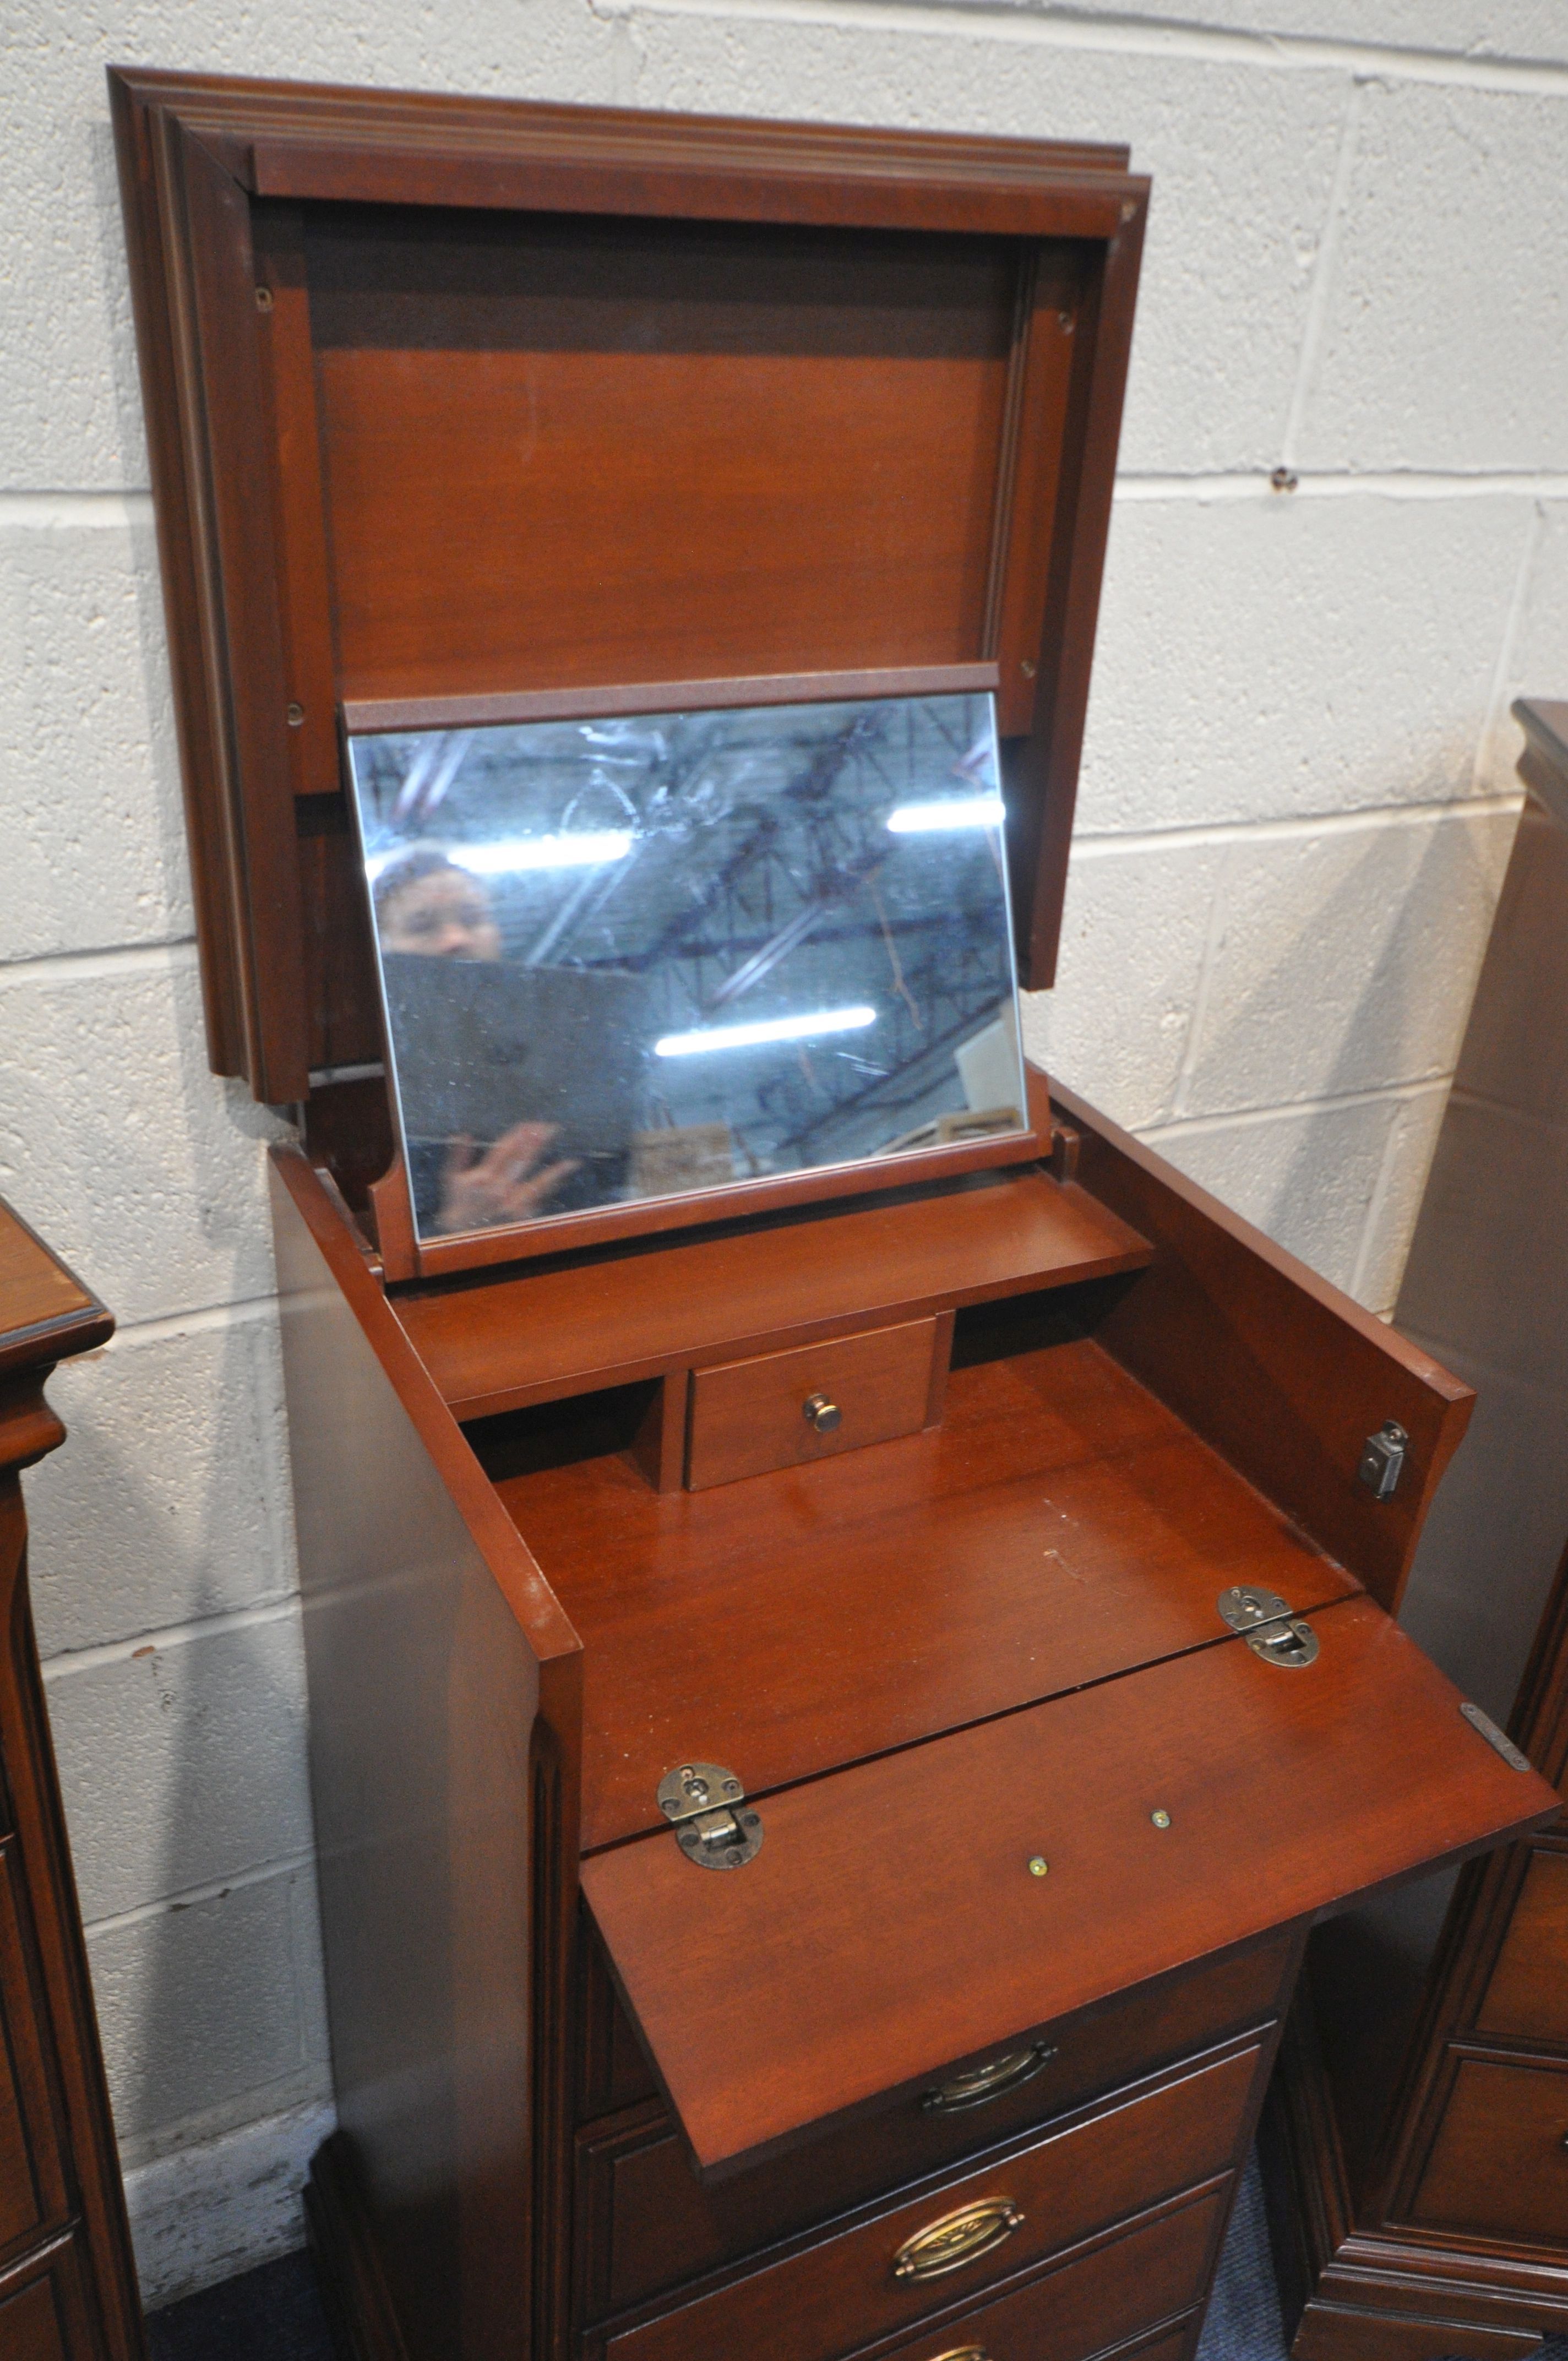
(503,1184)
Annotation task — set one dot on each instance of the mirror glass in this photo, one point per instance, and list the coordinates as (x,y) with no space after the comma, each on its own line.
(640,955)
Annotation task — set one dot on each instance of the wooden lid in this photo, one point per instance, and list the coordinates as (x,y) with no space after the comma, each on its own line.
(890,1925)
(466,399)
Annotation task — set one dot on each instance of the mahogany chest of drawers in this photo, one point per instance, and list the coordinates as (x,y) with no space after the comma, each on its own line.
(67,2287)
(837,1690)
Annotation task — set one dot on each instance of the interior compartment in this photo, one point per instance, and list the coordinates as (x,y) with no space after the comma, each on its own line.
(1058,1526)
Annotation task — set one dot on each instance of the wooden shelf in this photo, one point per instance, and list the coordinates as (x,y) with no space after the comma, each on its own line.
(1060,1527)
(638,1313)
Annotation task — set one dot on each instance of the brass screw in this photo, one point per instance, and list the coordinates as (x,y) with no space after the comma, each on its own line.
(1160,1819)
(1038,1867)
(264,299)
(1026,666)
(295,716)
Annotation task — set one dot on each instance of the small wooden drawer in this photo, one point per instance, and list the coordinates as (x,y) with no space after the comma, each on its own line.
(1500,2163)
(1527,1995)
(749,1417)
(1147,2275)
(961,2237)
(648,2224)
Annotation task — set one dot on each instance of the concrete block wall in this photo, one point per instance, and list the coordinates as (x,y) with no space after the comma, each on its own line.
(1297,804)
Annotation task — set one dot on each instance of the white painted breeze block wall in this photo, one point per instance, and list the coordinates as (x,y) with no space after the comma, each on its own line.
(1297,804)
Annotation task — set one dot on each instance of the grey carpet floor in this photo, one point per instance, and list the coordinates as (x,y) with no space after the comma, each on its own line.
(274,2314)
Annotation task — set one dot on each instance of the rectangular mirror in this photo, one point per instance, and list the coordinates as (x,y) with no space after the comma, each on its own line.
(639,956)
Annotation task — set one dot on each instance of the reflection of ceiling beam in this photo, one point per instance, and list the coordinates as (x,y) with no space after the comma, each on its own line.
(832,890)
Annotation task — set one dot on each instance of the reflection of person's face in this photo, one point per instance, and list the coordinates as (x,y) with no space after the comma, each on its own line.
(443,916)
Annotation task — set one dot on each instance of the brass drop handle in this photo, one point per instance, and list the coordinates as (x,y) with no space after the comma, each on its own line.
(821,1414)
(947,2243)
(965,2352)
(978,2084)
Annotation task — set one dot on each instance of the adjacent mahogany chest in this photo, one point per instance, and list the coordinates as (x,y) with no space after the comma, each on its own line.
(1420,2133)
(67,2287)
(848,1612)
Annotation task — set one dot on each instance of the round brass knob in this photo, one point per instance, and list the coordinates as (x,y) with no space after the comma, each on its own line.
(821,1414)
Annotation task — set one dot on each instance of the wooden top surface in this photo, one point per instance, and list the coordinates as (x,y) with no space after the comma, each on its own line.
(625,1316)
(46,1313)
(1058,1527)
(1288,1792)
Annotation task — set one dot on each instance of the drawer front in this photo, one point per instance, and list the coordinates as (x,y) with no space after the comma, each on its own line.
(43,2310)
(1156,2269)
(785,1408)
(1499,2165)
(1527,1995)
(962,2238)
(648,2224)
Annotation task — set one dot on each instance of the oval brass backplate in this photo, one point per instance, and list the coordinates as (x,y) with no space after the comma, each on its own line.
(992,2081)
(948,2243)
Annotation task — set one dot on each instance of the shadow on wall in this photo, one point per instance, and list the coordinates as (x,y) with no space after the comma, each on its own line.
(183,1761)
(1339,980)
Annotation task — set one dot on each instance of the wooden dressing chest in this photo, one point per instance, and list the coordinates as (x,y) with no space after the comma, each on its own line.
(844,1661)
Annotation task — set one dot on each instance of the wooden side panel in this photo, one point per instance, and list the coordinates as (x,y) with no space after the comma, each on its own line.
(1281,1372)
(1040,771)
(32,2184)
(228,441)
(443,1687)
(51,2030)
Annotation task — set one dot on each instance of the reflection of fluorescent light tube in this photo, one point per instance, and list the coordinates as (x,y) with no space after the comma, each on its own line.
(770,1029)
(584,849)
(972,811)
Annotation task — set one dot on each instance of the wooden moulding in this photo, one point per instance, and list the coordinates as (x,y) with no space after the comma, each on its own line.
(371,714)
(962,308)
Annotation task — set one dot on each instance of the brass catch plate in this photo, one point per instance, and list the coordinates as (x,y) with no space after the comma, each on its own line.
(1292,1643)
(1498,1740)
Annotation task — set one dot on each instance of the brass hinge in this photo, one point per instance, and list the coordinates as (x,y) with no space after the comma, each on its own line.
(702,1802)
(1268,1626)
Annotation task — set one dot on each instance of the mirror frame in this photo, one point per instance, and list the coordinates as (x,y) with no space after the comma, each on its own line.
(406,1256)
